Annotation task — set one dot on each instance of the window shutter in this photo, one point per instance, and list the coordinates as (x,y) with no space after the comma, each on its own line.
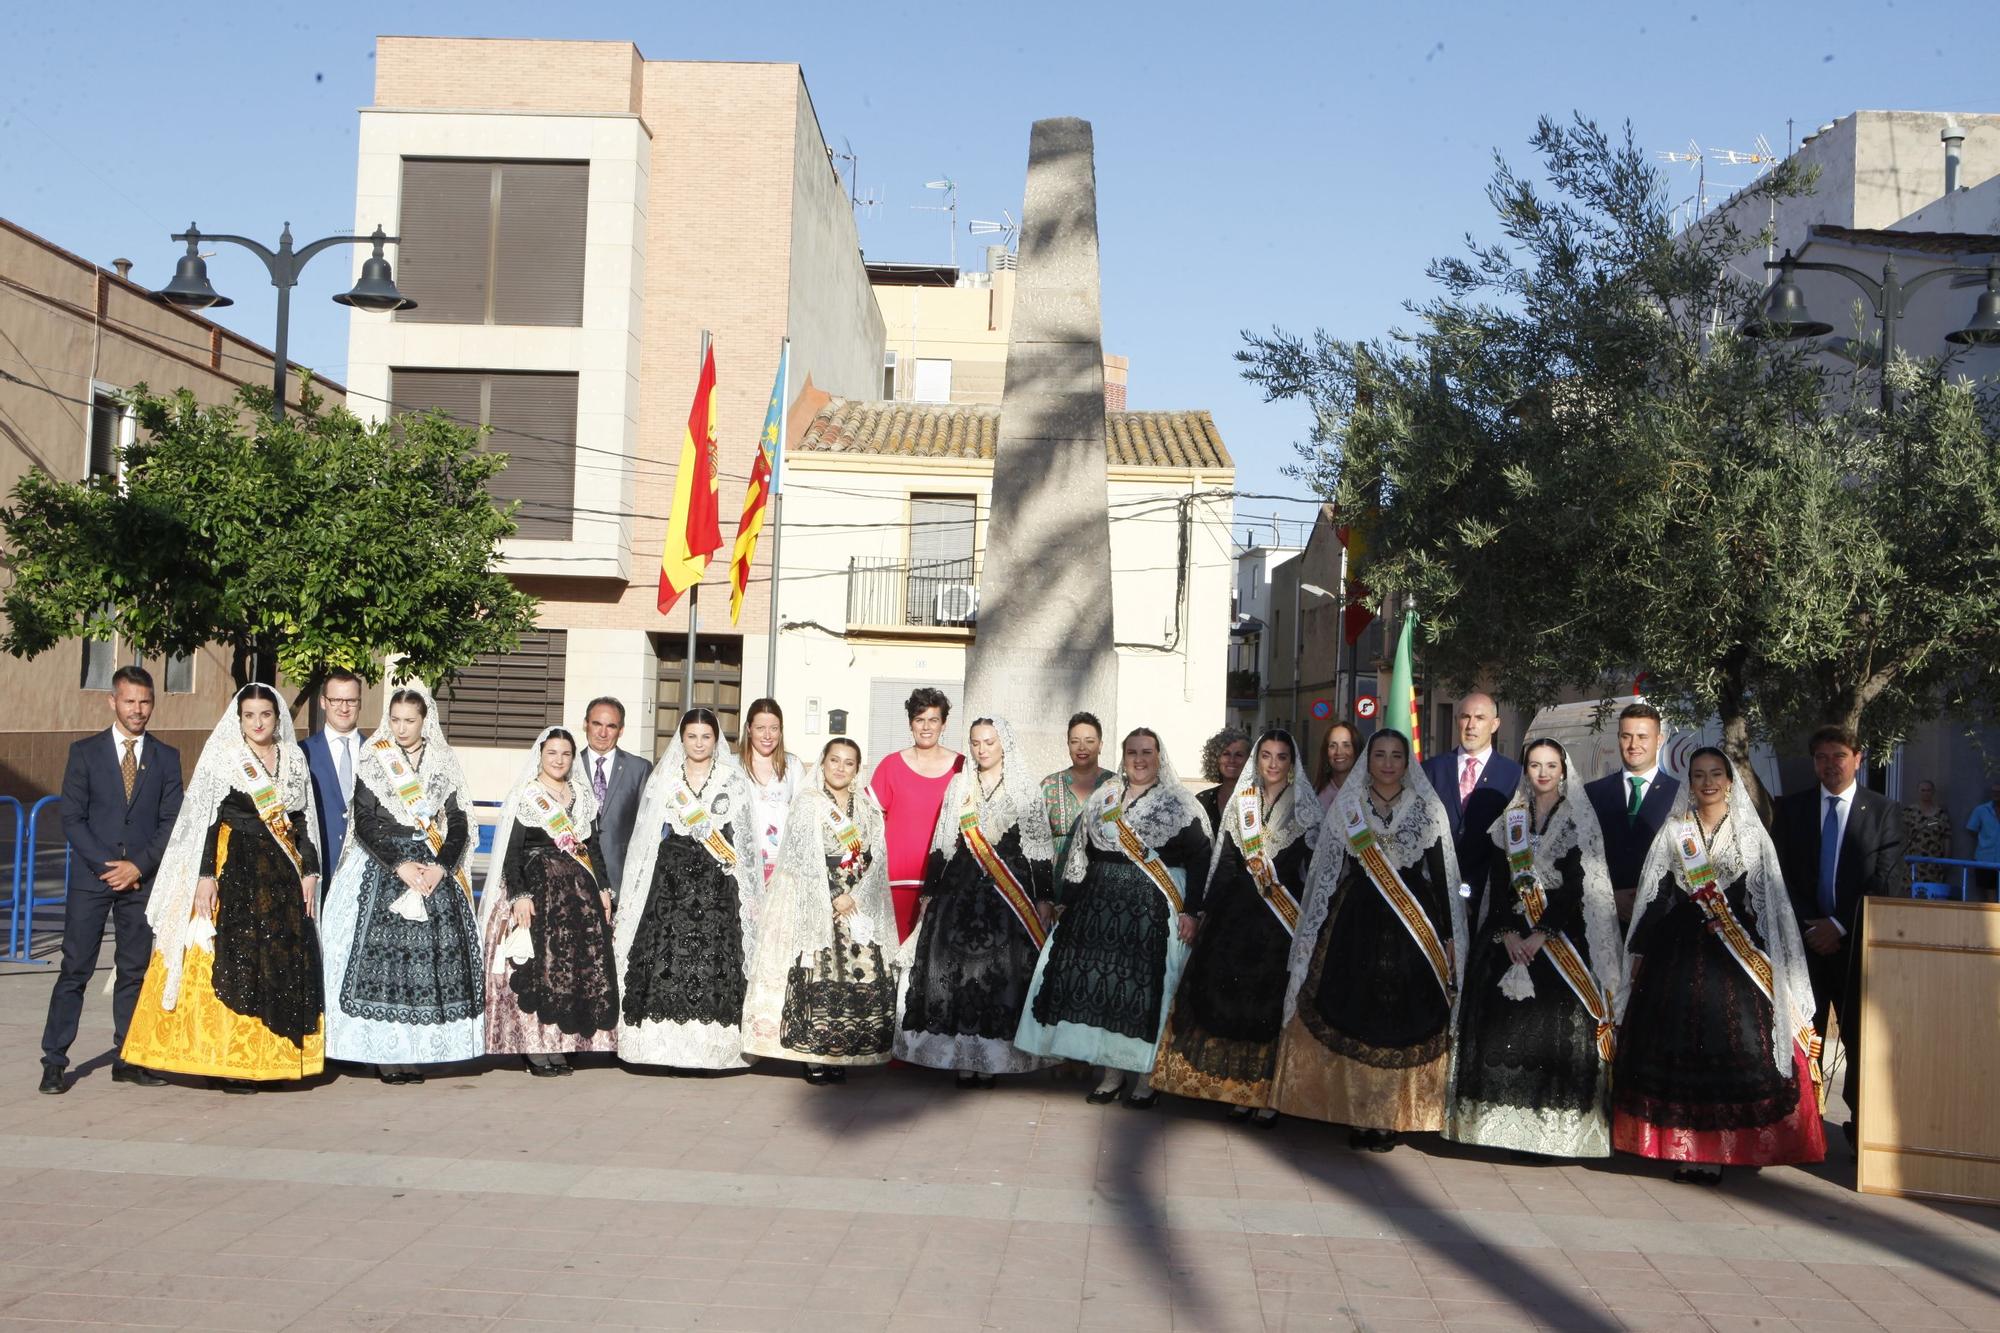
(941,529)
(505,699)
(534,424)
(538,244)
(444,259)
(888,724)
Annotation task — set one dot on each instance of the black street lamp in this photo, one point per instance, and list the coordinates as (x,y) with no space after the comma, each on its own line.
(375,290)
(1784,314)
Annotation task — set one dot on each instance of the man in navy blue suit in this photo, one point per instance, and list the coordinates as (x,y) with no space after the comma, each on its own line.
(332,755)
(1633,804)
(121,793)
(1475,782)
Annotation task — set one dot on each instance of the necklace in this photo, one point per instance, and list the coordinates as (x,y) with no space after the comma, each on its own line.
(986,793)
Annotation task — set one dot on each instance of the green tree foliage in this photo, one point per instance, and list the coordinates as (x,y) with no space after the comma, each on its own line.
(316,542)
(1581,471)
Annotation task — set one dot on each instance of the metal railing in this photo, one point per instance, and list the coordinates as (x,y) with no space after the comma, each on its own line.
(1930,876)
(24,898)
(933,593)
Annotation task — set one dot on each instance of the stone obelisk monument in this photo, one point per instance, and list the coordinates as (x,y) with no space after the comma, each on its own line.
(1043,647)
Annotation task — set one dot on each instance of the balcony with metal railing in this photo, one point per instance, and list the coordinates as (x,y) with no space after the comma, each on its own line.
(924,598)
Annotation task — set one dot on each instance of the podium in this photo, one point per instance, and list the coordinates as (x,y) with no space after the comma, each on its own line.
(1930,1042)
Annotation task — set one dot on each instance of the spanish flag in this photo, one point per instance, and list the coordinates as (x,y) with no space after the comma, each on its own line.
(763,481)
(694,528)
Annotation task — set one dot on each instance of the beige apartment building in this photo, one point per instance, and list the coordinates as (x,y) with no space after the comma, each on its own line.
(573,218)
(77,336)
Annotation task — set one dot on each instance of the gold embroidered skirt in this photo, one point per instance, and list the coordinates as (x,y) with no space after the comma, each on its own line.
(1322,1084)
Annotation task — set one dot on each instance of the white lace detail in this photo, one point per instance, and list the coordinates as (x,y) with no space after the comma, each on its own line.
(1554,1133)
(1289,820)
(731,809)
(582,813)
(1015,804)
(1161,812)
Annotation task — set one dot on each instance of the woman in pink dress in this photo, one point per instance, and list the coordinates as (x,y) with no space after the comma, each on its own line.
(910,785)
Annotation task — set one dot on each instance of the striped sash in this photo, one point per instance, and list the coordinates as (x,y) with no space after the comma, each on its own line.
(263,791)
(1010,888)
(1141,855)
(408,785)
(553,820)
(1361,841)
(1250,817)
(1568,962)
(701,824)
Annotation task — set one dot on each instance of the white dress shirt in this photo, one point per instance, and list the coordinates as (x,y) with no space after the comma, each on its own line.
(604,761)
(118,739)
(1646,781)
(350,741)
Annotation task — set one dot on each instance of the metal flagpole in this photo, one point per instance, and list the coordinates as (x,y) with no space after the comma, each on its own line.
(694,593)
(778,509)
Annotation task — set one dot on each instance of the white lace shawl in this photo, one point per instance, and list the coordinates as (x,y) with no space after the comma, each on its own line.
(731,810)
(1289,820)
(582,813)
(218,772)
(1741,848)
(441,774)
(797,916)
(1573,825)
(1160,812)
(1017,803)
(1418,822)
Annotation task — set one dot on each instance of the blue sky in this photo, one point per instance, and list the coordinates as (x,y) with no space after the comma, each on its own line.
(1258,164)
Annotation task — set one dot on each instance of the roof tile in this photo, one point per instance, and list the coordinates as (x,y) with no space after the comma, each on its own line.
(965,430)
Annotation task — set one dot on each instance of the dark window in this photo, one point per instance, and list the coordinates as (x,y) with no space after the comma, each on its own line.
(506,699)
(100,659)
(107,425)
(179,675)
(488,242)
(533,420)
(718,684)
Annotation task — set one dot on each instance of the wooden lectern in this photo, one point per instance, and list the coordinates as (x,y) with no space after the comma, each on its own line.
(1930,1050)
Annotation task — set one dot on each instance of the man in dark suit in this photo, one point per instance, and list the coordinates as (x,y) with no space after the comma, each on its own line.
(1838,843)
(1475,782)
(1633,804)
(332,755)
(121,793)
(617,778)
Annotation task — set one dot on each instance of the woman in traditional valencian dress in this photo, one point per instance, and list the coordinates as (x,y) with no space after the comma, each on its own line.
(687,912)
(1535,1021)
(1131,884)
(545,918)
(909,786)
(1065,791)
(234,989)
(988,898)
(823,981)
(773,772)
(1716,1043)
(403,971)
(1375,964)
(1222,1041)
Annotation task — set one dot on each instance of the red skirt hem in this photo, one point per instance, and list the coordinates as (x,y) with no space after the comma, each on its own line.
(905,902)
(1799,1137)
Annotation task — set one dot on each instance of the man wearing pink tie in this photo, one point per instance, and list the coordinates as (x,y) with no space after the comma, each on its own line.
(1475,782)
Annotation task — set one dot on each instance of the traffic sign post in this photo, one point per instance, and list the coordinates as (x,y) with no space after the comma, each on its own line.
(1366,706)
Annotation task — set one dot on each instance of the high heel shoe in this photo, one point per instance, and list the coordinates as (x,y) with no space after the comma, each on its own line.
(1105,1096)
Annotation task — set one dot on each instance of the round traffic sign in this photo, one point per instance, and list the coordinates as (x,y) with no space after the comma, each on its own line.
(1321,710)
(1365,706)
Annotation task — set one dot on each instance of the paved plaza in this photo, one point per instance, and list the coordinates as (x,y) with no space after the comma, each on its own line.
(496,1201)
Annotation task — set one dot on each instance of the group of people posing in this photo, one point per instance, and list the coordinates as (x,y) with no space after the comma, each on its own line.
(1389,949)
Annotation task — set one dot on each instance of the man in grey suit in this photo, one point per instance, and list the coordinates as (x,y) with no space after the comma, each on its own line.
(616,777)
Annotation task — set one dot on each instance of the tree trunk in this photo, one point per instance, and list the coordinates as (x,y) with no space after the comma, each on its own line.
(1730,707)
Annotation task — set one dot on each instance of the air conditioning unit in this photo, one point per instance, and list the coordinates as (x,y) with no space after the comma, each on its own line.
(955,604)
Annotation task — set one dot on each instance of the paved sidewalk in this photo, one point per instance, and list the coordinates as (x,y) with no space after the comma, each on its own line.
(754,1202)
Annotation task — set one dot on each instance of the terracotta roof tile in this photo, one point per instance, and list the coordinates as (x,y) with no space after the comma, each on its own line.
(961,430)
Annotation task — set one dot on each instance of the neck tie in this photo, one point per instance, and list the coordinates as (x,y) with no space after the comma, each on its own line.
(597,779)
(1829,854)
(343,764)
(128,768)
(1468,778)
(1638,795)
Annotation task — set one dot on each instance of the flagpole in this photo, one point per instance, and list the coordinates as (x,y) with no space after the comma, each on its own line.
(778,509)
(694,593)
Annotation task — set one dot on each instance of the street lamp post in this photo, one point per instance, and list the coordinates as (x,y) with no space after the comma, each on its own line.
(375,290)
(1784,314)
(1299,639)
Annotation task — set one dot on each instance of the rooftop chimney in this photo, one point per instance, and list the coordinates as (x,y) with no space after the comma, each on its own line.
(1953,135)
(124,267)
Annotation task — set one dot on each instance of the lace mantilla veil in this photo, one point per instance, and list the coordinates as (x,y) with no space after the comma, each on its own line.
(442,775)
(1741,848)
(1162,811)
(582,813)
(1288,821)
(218,772)
(1418,821)
(1017,803)
(730,808)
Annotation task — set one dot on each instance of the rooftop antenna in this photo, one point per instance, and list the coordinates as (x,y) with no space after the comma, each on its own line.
(949,208)
(862,204)
(1006,231)
(1761,157)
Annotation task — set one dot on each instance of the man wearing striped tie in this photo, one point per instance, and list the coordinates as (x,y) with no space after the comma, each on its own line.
(1633,803)
(617,777)
(121,793)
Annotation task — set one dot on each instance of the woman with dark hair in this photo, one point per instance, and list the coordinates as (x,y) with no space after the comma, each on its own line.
(909,785)
(822,977)
(1223,757)
(1130,891)
(234,988)
(1376,960)
(545,917)
(1338,752)
(1222,1042)
(773,773)
(687,911)
(1715,1040)
(1065,791)
(403,972)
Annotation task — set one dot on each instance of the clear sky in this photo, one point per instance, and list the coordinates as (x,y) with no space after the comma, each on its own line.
(1258,164)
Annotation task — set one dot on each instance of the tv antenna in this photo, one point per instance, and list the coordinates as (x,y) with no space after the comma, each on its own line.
(1761,156)
(949,208)
(863,204)
(1006,230)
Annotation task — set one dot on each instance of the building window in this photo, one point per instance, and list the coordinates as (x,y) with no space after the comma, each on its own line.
(506,699)
(533,421)
(718,684)
(100,659)
(488,242)
(889,377)
(111,431)
(933,380)
(178,676)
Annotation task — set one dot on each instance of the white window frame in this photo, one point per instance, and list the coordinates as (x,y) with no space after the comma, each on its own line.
(128,429)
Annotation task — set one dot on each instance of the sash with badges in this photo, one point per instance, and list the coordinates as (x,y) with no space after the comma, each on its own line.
(701,825)
(1707,894)
(1367,849)
(1568,962)
(1250,820)
(848,836)
(1011,890)
(263,790)
(1141,855)
(408,785)
(552,819)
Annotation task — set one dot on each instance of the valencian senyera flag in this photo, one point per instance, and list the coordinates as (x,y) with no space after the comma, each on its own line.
(694,528)
(764,476)
(1399,710)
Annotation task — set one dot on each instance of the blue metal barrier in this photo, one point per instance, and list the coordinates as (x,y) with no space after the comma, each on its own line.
(14,891)
(1929,876)
(21,934)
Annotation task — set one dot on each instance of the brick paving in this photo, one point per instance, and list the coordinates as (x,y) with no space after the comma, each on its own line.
(491,1200)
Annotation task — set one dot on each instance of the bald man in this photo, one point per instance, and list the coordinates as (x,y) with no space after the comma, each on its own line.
(1475,782)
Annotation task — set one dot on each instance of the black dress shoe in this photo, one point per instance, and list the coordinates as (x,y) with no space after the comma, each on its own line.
(52,1081)
(1144,1101)
(1241,1112)
(138,1074)
(542,1070)
(240,1087)
(1104,1096)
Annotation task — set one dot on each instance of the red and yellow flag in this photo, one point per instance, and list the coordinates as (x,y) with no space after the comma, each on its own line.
(694,528)
(763,482)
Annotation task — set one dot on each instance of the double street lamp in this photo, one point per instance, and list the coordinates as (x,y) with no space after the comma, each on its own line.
(375,290)
(1784,315)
